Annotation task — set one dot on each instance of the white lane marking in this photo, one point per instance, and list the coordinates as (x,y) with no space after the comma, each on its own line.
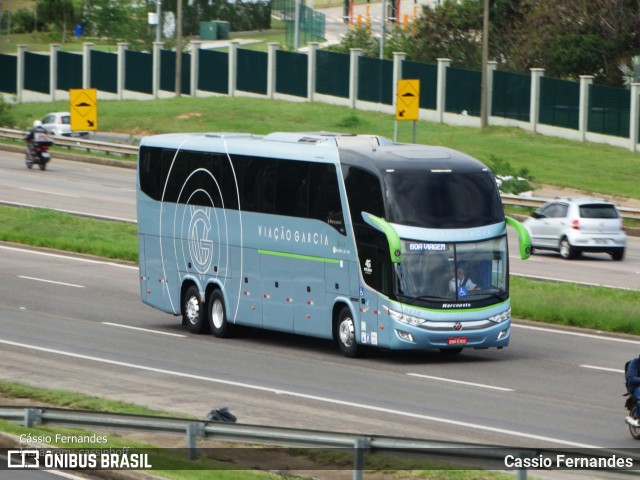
(143,329)
(68,257)
(605,369)
(560,280)
(329,400)
(471,384)
(558,331)
(51,281)
(48,193)
(70,212)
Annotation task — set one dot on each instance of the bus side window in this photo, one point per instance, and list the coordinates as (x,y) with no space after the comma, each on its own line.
(292,188)
(324,196)
(365,195)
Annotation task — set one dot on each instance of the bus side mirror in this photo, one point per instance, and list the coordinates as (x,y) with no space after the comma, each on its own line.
(385,227)
(523,235)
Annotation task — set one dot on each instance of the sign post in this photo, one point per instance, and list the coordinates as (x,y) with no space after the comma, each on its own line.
(407,104)
(84,109)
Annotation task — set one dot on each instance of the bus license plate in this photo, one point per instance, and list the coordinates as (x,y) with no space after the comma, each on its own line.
(457,341)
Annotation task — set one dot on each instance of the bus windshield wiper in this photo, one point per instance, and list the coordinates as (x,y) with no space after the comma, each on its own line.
(430,297)
(406,298)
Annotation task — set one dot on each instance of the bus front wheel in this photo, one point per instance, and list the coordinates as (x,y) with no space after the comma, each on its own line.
(347,334)
(217,316)
(193,310)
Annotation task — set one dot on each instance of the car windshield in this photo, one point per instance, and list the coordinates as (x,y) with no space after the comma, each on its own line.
(66,119)
(453,271)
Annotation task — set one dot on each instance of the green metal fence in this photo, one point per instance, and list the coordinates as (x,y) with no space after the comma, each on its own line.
(213,71)
(332,74)
(9,69)
(104,71)
(292,73)
(168,72)
(463,91)
(252,71)
(139,70)
(311,23)
(609,110)
(428,76)
(375,80)
(69,71)
(511,96)
(36,72)
(559,103)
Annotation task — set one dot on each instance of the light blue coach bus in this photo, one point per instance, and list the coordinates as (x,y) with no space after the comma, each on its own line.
(345,237)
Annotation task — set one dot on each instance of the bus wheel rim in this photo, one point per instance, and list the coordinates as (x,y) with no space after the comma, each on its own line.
(193,310)
(217,315)
(347,332)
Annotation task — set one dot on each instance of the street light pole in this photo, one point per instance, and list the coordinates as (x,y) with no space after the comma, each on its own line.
(485,60)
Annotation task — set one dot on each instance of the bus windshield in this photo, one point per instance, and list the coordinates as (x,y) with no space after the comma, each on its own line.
(456,272)
(443,199)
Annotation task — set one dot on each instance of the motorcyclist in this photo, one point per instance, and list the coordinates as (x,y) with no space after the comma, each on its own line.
(31,136)
(633,387)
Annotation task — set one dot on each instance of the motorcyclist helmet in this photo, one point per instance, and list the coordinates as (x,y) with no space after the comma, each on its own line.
(37,123)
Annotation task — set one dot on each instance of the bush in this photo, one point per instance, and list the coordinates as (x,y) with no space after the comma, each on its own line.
(6,114)
(509,179)
(23,21)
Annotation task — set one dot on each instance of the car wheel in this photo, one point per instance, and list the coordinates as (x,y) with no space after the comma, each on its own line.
(617,254)
(193,311)
(347,334)
(566,250)
(217,315)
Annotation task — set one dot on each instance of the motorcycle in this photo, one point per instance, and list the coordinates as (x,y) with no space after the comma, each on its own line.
(38,151)
(632,420)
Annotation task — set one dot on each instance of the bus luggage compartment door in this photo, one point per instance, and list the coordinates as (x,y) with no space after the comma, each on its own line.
(278,275)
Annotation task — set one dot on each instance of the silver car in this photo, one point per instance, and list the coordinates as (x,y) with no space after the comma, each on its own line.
(59,124)
(575,225)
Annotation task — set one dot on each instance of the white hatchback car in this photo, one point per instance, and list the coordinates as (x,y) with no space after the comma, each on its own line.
(59,123)
(575,225)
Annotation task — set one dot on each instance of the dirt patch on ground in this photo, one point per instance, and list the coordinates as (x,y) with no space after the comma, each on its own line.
(186,116)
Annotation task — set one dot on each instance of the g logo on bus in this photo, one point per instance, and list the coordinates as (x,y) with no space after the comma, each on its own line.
(457,326)
(200,247)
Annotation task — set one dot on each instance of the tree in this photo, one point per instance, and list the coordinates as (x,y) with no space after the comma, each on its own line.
(62,14)
(630,72)
(119,20)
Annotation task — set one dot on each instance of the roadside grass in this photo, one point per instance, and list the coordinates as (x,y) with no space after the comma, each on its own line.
(50,229)
(592,168)
(600,308)
(585,306)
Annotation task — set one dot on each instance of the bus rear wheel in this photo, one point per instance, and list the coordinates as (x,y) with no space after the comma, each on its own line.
(217,316)
(346,335)
(193,315)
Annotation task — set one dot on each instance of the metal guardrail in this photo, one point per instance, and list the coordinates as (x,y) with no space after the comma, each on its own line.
(129,150)
(78,143)
(456,452)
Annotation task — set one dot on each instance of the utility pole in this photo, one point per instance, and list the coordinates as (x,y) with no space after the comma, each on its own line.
(159,15)
(484,121)
(179,49)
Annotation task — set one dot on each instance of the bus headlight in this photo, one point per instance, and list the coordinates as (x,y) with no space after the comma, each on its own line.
(401,317)
(501,317)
